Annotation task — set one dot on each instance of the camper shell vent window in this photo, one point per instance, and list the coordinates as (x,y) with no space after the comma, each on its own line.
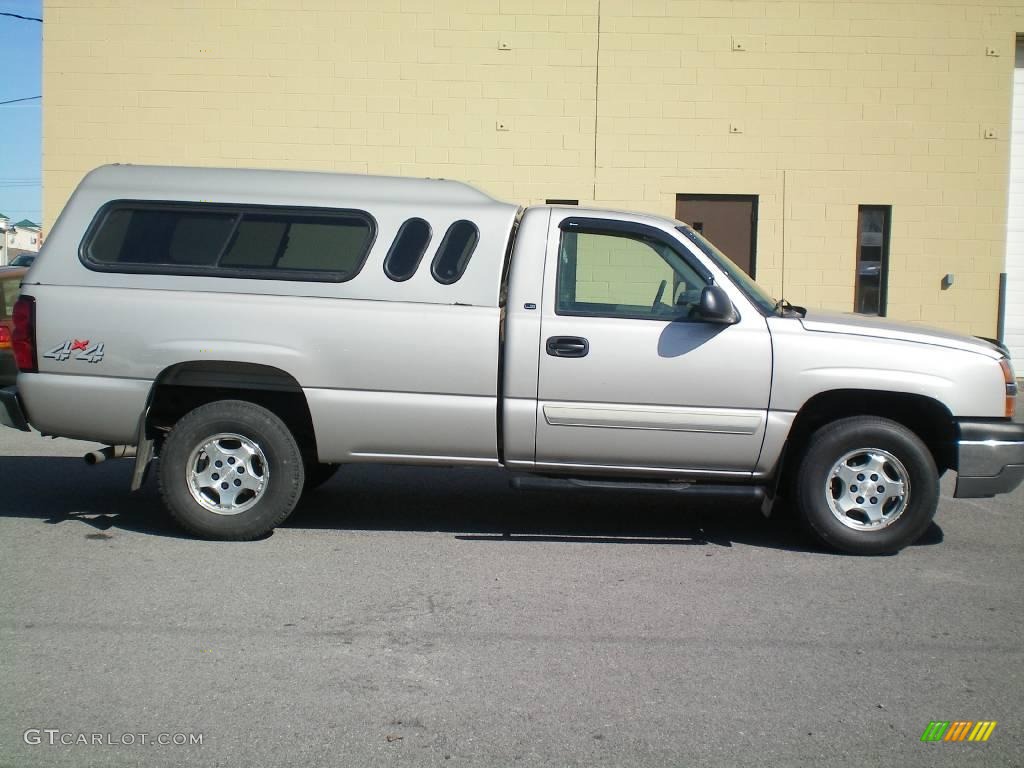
(410,244)
(455,251)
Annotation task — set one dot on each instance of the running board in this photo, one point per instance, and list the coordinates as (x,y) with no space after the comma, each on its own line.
(537,483)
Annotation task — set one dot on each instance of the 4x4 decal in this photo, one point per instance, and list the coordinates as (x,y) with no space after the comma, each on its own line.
(89,353)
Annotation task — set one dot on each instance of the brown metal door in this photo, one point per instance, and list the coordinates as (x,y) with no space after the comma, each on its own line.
(729,221)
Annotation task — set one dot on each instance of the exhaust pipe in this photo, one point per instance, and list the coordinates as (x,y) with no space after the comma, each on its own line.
(92,458)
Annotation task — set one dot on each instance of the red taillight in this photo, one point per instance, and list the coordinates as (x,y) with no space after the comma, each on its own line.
(24,336)
(5,337)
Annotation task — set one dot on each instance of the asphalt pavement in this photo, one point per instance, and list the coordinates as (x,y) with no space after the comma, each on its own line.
(437,617)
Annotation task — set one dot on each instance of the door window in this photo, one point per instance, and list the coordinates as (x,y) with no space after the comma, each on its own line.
(616,275)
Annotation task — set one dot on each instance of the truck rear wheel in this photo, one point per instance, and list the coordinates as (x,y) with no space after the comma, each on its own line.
(867,486)
(230,470)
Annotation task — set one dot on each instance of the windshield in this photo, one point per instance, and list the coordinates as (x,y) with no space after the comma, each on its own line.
(753,291)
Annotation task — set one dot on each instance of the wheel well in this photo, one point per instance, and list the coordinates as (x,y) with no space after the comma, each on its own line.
(929,419)
(183,387)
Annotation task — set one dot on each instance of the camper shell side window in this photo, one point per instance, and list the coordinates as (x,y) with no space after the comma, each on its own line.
(225,240)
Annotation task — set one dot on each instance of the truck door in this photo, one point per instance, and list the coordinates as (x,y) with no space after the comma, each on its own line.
(629,378)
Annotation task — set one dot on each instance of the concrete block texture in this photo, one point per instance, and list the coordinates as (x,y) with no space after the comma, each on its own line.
(815,106)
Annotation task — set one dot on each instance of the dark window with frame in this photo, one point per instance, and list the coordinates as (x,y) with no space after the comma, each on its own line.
(871,289)
(455,251)
(407,250)
(224,240)
(160,236)
(623,275)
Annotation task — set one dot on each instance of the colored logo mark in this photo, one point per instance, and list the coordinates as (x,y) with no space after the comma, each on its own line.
(958,730)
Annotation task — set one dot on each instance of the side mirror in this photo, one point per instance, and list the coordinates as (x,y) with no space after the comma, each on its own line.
(716,307)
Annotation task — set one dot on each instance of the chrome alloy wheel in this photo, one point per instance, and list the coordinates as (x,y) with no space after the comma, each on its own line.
(227,474)
(868,489)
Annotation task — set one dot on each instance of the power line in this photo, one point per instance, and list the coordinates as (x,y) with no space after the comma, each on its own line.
(19,16)
(15,101)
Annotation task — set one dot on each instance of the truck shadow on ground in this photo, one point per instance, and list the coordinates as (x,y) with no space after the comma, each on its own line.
(474,505)
(477,505)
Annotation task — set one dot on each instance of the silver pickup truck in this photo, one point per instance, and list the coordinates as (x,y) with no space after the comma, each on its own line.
(256,329)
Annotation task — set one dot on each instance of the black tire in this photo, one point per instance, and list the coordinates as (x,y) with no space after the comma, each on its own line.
(318,474)
(277,456)
(854,530)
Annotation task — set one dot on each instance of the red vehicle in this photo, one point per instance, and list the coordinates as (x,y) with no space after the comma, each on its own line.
(10,284)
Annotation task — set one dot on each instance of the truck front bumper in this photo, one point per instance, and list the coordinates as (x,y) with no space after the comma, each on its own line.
(990,458)
(11,413)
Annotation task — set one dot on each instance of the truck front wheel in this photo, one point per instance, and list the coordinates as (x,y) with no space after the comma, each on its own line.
(230,470)
(867,486)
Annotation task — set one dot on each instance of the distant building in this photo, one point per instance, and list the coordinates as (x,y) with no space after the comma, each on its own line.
(27,236)
(23,237)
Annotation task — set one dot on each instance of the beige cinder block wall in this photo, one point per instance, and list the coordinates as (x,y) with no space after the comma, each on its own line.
(815,106)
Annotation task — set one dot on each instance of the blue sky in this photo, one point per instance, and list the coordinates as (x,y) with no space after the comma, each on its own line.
(21,124)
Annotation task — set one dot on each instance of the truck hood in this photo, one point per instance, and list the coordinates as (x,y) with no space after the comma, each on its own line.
(864,325)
